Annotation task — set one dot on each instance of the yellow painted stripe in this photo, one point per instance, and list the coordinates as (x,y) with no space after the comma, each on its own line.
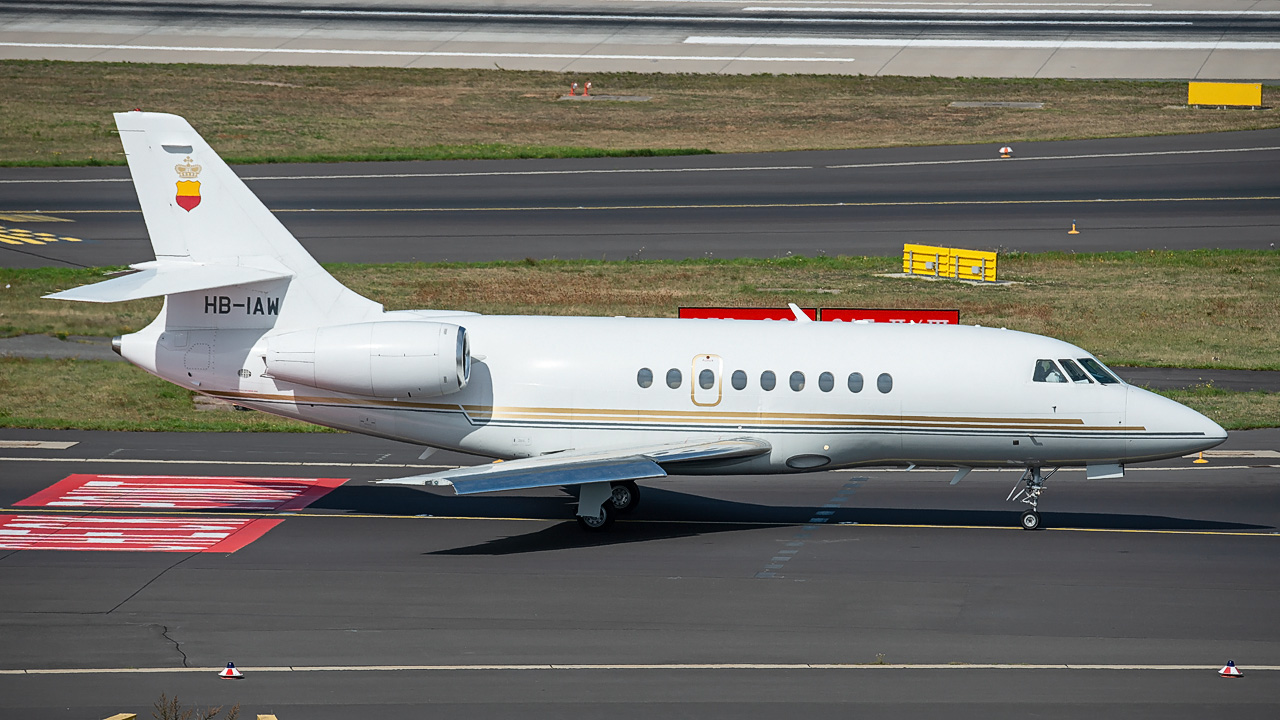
(713,206)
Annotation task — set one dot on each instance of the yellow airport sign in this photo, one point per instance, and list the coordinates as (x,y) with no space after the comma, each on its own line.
(945,262)
(1222,94)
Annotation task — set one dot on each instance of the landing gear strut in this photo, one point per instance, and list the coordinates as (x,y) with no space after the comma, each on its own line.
(595,506)
(1030,495)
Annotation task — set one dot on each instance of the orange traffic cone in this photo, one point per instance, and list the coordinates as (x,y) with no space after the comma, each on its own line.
(1230,670)
(231,673)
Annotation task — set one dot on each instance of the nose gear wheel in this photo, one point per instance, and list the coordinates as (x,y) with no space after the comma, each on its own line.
(1030,494)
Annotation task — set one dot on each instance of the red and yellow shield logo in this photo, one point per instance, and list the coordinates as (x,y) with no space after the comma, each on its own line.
(188,194)
(189,187)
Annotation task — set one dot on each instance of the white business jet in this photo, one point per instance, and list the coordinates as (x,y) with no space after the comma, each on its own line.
(599,403)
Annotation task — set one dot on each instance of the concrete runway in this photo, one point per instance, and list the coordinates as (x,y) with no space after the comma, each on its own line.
(1179,192)
(1160,39)
(1167,573)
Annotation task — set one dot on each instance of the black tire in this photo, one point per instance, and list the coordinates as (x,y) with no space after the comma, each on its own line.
(1031,520)
(600,522)
(625,497)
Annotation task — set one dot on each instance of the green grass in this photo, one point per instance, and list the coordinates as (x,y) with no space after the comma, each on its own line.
(100,395)
(1202,308)
(59,113)
(1232,410)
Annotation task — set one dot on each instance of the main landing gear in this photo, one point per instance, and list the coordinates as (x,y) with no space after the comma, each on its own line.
(599,503)
(1030,494)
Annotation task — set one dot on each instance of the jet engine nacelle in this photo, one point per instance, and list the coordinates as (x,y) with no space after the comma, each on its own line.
(382,359)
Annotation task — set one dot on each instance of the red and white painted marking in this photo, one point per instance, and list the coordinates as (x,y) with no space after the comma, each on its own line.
(177,492)
(137,534)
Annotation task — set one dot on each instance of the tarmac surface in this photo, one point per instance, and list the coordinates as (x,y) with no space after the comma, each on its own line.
(1158,39)
(1177,192)
(719,597)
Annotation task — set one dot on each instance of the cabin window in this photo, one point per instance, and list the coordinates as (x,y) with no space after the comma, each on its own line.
(855,382)
(1047,371)
(797,381)
(1074,372)
(644,378)
(768,380)
(739,380)
(706,379)
(674,378)
(884,383)
(826,381)
(1098,372)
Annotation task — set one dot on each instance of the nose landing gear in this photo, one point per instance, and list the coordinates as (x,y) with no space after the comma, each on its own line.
(1030,494)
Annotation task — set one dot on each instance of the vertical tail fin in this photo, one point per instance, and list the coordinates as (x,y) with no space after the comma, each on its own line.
(209,230)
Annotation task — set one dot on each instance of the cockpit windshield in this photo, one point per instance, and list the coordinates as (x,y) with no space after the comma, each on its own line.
(1074,371)
(1099,373)
(1047,371)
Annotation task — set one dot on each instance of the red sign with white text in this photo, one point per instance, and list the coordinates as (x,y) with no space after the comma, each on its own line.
(730,313)
(881,315)
(131,534)
(166,492)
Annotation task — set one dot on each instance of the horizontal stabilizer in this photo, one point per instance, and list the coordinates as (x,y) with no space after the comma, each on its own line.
(155,279)
(569,468)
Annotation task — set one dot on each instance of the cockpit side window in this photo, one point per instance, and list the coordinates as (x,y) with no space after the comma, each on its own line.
(1074,371)
(1099,373)
(1047,371)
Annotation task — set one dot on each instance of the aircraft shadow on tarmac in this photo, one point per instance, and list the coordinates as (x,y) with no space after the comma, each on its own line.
(666,514)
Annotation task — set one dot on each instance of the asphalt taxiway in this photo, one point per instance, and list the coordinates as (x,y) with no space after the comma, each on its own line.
(750,597)
(1176,192)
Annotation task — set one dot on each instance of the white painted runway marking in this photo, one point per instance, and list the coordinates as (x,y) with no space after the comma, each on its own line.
(634,667)
(720,19)
(1024,10)
(899,6)
(625,171)
(370,176)
(414,53)
(1090,156)
(749,40)
(35,444)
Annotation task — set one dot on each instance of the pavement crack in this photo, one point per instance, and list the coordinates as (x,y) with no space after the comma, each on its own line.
(176,645)
(147,584)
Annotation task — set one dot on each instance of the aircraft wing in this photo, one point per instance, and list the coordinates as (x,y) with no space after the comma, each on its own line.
(576,468)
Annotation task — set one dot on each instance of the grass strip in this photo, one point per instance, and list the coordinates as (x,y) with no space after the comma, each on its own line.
(59,113)
(1199,308)
(101,395)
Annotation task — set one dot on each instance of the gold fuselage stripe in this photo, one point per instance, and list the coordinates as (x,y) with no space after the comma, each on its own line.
(689,417)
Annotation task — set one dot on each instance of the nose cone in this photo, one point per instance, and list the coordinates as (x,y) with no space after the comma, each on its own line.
(1163,428)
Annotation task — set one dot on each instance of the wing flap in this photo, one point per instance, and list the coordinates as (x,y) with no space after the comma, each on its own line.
(569,468)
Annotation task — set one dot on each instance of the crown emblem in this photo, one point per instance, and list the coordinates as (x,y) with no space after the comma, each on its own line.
(188,170)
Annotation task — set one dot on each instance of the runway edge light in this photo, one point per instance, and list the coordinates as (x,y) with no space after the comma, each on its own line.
(1006,151)
(1230,670)
(231,673)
